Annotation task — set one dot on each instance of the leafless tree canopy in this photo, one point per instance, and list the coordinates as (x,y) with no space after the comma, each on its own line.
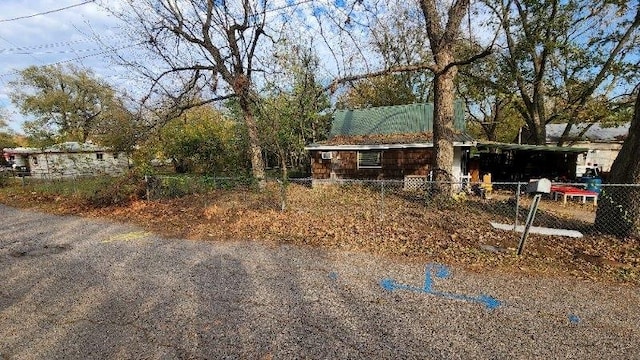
(207,50)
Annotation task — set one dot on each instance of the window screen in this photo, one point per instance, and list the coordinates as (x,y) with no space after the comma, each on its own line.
(369,159)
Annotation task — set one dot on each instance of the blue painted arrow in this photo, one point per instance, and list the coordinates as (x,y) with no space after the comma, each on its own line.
(441,271)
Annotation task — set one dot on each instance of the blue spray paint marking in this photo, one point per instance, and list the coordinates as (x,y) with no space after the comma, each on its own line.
(574,319)
(441,272)
(333,276)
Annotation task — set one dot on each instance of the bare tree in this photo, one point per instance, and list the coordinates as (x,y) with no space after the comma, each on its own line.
(442,25)
(208,49)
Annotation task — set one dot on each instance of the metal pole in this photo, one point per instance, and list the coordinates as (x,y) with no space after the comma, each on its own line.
(146,182)
(515,224)
(382,204)
(283,196)
(530,217)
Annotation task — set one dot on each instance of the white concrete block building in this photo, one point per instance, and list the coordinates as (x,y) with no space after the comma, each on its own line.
(67,160)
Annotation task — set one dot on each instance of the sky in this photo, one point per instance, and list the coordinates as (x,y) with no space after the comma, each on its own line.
(46,32)
(65,36)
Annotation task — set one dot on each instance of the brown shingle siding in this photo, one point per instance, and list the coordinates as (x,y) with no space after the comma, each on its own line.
(396,163)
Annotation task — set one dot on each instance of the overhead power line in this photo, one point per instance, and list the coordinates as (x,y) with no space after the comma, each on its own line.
(43,46)
(78,58)
(286,6)
(70,51)
(47,12)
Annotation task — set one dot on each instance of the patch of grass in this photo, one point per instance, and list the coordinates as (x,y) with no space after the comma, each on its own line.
(94,191)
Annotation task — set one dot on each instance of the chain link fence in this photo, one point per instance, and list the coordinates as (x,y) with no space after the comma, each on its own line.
(569,206)
(164,186)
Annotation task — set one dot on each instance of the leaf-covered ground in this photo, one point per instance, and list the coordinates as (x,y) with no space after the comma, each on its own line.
(355,218)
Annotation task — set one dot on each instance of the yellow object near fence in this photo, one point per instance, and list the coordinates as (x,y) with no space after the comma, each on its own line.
(486,185)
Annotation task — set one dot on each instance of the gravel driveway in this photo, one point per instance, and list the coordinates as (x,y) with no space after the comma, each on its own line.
(76,288)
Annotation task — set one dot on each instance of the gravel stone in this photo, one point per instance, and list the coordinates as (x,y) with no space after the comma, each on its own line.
(77,288)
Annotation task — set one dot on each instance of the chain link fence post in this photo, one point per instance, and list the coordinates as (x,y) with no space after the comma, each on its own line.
(382,201)
(283,195)
(147,188)
(515,224)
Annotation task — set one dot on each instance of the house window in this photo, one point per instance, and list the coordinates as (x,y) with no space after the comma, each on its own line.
(369,159)
(99,156)
(115,155)
(35,160)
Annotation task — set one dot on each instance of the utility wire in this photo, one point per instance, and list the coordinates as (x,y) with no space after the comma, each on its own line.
(47,12)
(42,46)
(70,51)
(78,58)
(286,6)
(31,55)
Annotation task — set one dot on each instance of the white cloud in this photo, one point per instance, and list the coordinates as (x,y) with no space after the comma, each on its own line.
(63,36)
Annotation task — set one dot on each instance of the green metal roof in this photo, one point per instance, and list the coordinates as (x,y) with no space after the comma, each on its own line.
(527,147)
(398,119)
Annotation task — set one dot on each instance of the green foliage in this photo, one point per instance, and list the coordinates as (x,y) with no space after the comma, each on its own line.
(379,91)
(120,132)
(202,140)
(7,138)
(292,112)
(180,185)
(69,104)
(118,191)
(4,178)
(287,126)
(142,158)
(492,110)
(93,191)
(566,61)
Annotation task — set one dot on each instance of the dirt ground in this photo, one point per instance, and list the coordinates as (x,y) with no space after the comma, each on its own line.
(80,288)
(354,219)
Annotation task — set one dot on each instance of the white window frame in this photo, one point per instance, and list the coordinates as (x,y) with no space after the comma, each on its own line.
(379,152)
(100,156)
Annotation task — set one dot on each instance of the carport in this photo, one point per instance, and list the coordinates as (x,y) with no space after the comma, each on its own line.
(521,162)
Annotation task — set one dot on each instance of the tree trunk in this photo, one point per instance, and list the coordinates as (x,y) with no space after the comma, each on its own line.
(255,150)
(619,207)
(443,125)
(283,166)
(537,132)
(541,130)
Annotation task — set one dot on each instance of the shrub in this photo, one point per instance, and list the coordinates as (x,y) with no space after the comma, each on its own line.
(120,190)
(4,178)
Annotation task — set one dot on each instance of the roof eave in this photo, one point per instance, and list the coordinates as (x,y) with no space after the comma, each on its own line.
(355,147)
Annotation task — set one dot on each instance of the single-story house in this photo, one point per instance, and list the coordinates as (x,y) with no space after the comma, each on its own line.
(522,162)
(390,142)
(67,160)
(602,143)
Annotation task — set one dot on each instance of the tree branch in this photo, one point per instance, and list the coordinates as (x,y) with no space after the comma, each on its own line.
(486,52)
(392,70)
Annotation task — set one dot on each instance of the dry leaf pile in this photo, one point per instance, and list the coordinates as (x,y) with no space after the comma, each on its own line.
(355,219)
